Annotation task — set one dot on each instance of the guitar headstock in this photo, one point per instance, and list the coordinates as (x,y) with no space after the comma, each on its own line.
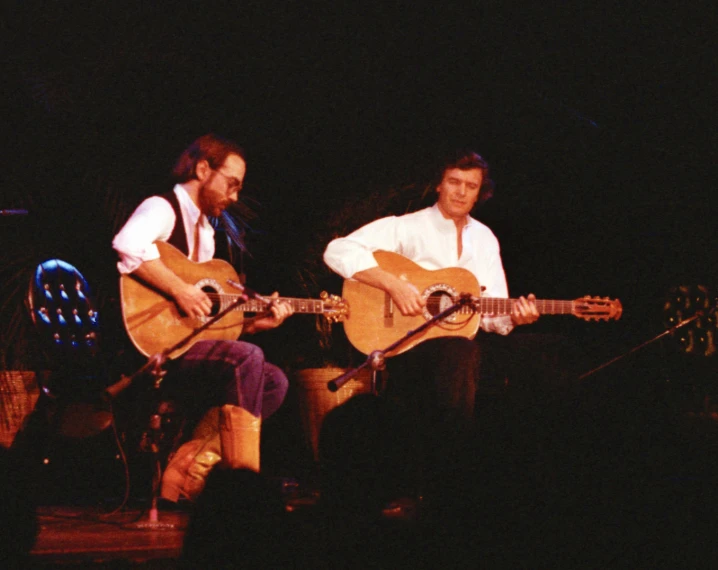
(336,309)
(595,308)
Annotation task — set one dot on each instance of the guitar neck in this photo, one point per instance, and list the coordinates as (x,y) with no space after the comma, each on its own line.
(497,306)
(305,306)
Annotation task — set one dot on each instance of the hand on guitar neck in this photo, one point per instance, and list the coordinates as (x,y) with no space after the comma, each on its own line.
(278,312)
(524,311)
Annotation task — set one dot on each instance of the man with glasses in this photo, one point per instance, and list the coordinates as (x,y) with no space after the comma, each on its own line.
(227,381)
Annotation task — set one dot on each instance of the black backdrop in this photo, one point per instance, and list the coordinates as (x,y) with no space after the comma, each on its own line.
(597,120)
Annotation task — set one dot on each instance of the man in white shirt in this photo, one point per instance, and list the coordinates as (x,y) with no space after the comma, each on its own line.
(230,375)
(440,373)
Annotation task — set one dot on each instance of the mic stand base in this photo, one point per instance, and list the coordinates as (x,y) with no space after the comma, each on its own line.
(153,522)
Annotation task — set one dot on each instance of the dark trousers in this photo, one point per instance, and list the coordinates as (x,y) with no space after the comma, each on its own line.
(437,378)
(436,384)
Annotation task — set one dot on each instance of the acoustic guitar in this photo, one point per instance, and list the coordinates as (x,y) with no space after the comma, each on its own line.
(154,323)
(375,323)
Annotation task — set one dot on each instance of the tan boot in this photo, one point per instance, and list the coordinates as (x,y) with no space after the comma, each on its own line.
(239,433)
(187,471)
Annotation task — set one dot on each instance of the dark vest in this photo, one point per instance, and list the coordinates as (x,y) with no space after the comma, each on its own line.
(178,237)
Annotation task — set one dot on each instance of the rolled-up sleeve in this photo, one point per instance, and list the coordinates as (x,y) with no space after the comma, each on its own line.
(152,221)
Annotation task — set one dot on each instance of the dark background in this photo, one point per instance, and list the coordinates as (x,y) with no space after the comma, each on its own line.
(597,119)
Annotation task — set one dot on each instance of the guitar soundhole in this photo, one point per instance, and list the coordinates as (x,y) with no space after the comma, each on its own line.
(438,301)
(440,297)
(214,297)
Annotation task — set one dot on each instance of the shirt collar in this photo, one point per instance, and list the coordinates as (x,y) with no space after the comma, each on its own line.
(445,224)
(187,204)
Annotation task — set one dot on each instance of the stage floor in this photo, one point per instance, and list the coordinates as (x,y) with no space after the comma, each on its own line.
(83,537)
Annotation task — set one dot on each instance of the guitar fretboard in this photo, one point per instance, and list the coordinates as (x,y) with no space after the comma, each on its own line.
(488,306)
(307,306)
(497,306)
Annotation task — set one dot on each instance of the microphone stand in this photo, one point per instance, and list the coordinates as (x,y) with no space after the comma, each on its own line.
(667,332)
(377,358)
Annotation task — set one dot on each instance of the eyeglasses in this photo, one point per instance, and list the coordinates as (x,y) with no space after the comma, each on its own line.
(232,183)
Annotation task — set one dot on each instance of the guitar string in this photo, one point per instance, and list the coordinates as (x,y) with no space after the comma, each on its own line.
(550,306)
(300,305)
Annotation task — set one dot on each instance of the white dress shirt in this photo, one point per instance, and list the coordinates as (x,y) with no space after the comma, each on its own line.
(428,239)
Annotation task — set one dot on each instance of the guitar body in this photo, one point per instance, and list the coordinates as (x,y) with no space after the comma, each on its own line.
(374,322)
(153,321)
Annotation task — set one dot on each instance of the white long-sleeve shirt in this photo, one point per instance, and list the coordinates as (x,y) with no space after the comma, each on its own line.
(154,220)
(429,240)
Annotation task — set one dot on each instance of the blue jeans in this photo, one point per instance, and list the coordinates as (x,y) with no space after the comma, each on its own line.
(213,373)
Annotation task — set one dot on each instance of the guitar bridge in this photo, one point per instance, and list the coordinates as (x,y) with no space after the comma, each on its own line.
(388,311)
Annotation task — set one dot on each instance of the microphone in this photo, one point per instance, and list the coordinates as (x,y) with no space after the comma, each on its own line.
(250,293)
